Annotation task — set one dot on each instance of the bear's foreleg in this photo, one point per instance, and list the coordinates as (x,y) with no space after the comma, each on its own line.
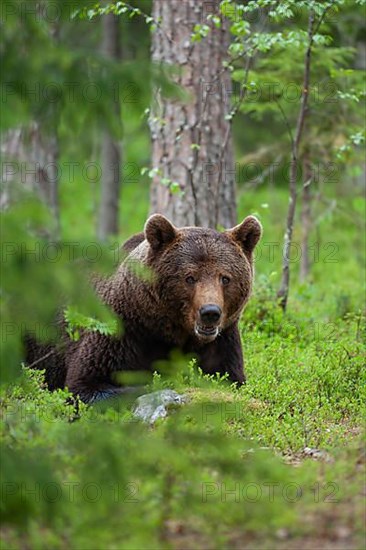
(225,355)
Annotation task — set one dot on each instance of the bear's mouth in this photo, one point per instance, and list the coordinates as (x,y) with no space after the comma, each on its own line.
(206,331)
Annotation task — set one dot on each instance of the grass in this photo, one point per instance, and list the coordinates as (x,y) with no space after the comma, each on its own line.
(276,464)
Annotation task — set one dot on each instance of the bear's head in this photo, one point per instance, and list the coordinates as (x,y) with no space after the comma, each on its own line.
(203,277)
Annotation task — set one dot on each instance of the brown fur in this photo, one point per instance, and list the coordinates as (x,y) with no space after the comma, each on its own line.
(165,313)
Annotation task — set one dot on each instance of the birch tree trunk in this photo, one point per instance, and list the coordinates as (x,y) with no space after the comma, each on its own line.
(296,139)
(313,27)
(305,218)
(110,154)
(191,139)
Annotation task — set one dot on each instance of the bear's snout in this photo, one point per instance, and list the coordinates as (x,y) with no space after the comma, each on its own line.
(207,326)
(210,314)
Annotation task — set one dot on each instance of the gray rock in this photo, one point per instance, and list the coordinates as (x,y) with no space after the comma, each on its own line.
(317,454)
(151,406)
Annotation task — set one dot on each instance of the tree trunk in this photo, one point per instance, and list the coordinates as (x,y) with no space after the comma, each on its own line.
(305,218)
(32,155)
(296,139)
(285,280)
(110,154)
(191,138)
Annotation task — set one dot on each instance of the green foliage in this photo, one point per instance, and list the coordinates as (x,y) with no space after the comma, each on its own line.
(173,186)
(73,86)
(37,276)
(307,379)
(121,469)
(117,8)
(77,322)
(269,84)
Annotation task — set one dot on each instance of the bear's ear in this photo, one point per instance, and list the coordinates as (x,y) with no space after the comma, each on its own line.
(247,234)
(159,232)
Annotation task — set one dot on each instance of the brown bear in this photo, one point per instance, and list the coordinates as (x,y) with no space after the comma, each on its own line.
(201,282)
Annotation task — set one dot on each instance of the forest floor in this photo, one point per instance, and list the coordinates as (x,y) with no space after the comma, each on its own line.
(326,523)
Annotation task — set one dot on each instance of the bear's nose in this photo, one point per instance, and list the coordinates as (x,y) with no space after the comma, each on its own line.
(210,314)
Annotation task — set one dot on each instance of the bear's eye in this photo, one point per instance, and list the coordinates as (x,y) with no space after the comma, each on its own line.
(190,280)
(225,280)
